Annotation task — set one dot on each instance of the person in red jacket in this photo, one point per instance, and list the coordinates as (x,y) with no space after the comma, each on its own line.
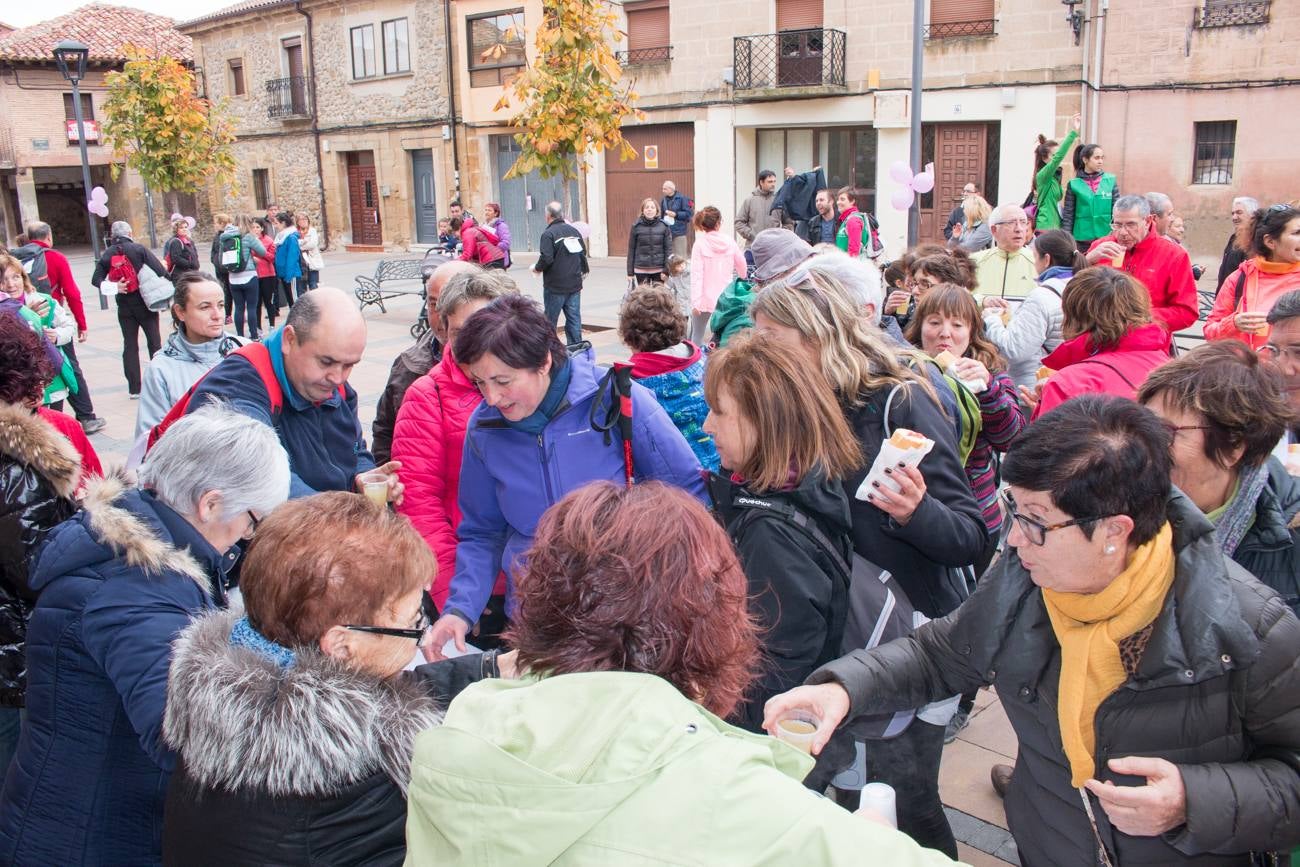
(478,244)
(429,438)
(1115,343)
(1163,267)
(1241,308)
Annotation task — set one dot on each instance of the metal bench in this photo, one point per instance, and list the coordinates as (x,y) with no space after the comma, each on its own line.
(379,288)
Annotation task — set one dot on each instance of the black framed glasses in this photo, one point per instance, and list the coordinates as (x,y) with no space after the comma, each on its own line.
(418,633)
(1036,531)
(253,522)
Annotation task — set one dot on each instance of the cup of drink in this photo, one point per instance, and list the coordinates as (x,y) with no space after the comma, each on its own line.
(797,728)
(1118,261)
(880,798)
(374,485)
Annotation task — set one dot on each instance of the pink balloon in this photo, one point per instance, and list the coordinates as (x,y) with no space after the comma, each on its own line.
(900,172)
(901,199)
(923,183)
(98,195)
(190,221)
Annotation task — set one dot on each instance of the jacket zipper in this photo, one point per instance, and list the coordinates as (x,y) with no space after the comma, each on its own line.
(546,470)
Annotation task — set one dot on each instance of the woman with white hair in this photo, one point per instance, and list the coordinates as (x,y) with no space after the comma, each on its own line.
(115,584)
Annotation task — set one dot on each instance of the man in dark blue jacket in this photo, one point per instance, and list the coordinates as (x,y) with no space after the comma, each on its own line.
(323,338)
(676,206)
(562,262)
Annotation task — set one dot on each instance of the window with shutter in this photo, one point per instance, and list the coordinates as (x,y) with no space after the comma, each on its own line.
(798,15)
(1233,13)
(950,18)
(647,31)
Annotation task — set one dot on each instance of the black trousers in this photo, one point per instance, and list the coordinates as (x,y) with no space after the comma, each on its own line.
(80,401)
(270,289)
(132,315)
(910,763)
(224,279)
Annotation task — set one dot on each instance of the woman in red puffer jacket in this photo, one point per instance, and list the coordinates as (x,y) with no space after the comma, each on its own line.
(429,439)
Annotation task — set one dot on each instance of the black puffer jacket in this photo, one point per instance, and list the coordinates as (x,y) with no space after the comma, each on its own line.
(1215,694)
(303,765)
(39,470)
(649,246)
(792,579)
(1270,549)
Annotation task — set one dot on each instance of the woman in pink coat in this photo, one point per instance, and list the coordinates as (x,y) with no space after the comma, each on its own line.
(429,438)
(715,259)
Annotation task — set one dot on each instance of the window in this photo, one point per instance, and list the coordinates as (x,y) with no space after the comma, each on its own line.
(1233,13)
(397,47)
(261,188)
(87,115)
(1216,144)
(237,78)
(496,47)
(949,18)
(363,51)
(647,31)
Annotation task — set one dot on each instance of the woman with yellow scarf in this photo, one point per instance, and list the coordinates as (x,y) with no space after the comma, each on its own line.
(1153,684)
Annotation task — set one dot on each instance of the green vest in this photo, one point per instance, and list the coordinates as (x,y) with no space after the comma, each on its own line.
(1092,210)
(65,381)
(842,236)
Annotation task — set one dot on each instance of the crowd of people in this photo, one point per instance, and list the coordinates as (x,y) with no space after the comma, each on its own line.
(823,489)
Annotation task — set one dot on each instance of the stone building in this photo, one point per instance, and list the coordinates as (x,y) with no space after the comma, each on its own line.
(40,162)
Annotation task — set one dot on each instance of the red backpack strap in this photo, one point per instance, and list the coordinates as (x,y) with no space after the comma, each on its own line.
(259,356)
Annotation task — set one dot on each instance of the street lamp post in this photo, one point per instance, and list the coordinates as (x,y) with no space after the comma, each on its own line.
(71,57)
(914,154)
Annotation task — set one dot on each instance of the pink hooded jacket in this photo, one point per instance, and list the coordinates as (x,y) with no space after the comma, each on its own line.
(715,258)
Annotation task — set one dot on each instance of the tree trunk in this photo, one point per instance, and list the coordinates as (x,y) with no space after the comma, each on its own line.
(564,192)
(582,190)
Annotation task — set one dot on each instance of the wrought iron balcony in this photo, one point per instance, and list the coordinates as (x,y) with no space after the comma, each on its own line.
(954,29)
(1217,13)
(791,58)
(289,97)
(645,56)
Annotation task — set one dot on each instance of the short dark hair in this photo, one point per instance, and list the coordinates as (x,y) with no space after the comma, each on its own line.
(184,282)
(1097,456)
(455,223)
(1061,249)
(455,203)
(765,174)
(25,370)
(1285,307)
(651,320)
(304,316)
(515,330)
(857,196)
(284,218)
(1242,400)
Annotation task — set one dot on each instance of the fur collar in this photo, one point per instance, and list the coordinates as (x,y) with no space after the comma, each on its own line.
(130,537)
(26,438)
(241,722)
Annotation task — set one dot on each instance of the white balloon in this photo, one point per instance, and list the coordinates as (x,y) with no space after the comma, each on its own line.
(923,183)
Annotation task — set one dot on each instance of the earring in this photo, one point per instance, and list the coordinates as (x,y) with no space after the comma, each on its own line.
(1110,549)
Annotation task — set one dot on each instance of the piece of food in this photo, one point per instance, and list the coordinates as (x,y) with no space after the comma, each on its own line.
(944,360)
(1006,316)
(1044,373)
(908,439)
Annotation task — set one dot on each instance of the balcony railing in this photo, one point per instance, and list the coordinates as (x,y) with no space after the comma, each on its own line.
(289,97)
(1216,13)
(645,56)
(954,29)
(791,58)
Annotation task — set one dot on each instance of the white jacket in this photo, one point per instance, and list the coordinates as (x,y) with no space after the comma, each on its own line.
(310,246)
(1033,332)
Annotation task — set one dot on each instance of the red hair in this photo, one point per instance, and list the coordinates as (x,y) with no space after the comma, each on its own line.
(605,590)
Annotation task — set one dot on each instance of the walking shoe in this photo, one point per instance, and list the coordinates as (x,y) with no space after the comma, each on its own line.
(93,425)
(230,320)
(1000,776)
(135,395)
(958,722)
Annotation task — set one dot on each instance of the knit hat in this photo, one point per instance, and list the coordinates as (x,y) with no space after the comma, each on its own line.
(776,251)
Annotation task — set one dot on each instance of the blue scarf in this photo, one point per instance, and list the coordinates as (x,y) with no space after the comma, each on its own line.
(1056,271)
(555,394)
(244,635)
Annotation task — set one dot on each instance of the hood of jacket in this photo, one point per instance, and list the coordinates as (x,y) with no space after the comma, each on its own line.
(714,243)
(816,496)
(568,754)
(243,723)
(647,364)
(117,522)
(763,194)
(1151,337)
(25,438)
(207,354)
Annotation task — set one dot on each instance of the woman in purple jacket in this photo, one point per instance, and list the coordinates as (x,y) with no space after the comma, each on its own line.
(531,442)
(492,217)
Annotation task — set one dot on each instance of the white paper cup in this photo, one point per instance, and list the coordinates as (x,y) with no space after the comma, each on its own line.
(880,798)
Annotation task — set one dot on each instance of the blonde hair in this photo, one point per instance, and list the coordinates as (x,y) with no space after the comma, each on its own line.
(652,202)
(791,411)
(223,219)
(976,209)
(7,263)
(300,218)
(854,358)
(249,226)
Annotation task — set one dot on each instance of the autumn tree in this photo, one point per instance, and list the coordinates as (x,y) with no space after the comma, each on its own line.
(570,100)
(156,121)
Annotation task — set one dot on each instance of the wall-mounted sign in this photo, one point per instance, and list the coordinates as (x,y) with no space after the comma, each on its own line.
(651,154)
(40,144)
(91,127)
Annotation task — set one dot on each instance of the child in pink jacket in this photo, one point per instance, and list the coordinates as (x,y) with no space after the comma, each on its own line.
(715,260)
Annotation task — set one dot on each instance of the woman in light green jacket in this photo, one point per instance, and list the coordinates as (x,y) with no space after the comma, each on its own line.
(611,749)
(1047,178)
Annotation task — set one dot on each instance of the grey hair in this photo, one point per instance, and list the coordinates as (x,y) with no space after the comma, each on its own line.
(192,458)
(470,286)
(1251,203)
(859,278)
(1160,203)
(38,231)
(555,210)
(670,184)
(1134,203)
(1002,212)
(304,316)
(1285,307)
(122,229)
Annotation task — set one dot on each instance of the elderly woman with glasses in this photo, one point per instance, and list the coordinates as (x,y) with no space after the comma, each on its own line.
(1150,680)
(114,585)
(293,720)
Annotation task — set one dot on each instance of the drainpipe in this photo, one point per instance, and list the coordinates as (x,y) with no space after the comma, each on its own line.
(1099,39)
(315,127)
(451,96)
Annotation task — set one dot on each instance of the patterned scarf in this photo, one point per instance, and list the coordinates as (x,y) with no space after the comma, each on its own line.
(242,634)
(1234,520)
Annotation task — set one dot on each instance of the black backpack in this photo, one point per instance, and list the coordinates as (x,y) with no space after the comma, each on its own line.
(33,258)
(232,255)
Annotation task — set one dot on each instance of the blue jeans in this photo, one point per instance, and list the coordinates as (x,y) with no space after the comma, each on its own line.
(248,299)
(313,280)
(570,303)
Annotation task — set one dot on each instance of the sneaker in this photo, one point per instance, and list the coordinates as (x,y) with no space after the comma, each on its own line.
(135,395)
(959,721)
(1000,777)
(230,320)
(93,425)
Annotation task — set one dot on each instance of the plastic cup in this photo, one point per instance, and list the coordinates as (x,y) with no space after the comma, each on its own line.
(880,798)
(1118,262)
(797,728)
(375,486)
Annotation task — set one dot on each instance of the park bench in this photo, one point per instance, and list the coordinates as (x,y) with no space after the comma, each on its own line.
(393,278)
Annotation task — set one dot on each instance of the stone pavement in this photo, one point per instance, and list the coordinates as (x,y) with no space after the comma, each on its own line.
(974,810)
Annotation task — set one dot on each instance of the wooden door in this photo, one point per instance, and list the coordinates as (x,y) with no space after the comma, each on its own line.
(297,77)
(960,152)
(363,201)
(628,183)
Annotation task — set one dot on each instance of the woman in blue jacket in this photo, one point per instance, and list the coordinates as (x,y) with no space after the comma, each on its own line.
(532,441)
(117,583)
(288,256)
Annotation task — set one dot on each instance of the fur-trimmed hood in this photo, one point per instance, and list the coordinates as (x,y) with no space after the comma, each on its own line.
(25,438)
(242,723)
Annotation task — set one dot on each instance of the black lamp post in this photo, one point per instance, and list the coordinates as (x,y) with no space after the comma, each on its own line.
(71,57)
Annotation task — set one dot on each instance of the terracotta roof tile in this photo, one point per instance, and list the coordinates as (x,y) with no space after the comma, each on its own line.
(234,11)
(106,29)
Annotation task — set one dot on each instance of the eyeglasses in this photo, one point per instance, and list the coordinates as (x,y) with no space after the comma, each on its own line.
(1021,223)
(1175,428)
(419,633)
(1036,531)
(253,522)
(1273,352)
(914,283)
(1128,227)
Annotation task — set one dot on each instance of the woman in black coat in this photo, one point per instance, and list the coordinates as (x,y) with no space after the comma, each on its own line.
(179,253)
(649,245)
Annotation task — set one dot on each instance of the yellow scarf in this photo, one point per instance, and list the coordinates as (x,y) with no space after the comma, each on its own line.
(1089,627)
